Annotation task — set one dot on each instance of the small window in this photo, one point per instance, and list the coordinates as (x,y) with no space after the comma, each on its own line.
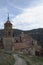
(9,33)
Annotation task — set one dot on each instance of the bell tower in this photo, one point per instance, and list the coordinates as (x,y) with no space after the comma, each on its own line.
(8,28)
(7,39)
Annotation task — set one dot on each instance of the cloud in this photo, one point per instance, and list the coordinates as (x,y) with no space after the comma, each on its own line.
(30,18)
(23,3)
(25,14)
(12,4)
(3,12)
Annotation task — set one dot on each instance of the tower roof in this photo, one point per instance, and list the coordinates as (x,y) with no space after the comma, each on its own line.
(8,21)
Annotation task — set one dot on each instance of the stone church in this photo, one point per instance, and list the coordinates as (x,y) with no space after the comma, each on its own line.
(9,39)
(21,42)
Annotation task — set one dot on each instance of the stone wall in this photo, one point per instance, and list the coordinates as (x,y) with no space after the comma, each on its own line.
(7,42)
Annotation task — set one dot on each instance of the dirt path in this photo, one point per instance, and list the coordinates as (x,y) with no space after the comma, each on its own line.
(19,61)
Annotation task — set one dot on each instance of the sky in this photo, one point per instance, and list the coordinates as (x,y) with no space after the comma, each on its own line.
(23,14)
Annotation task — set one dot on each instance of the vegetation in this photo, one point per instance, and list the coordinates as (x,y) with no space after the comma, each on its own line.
(6,58)
(32,60)
(23,56)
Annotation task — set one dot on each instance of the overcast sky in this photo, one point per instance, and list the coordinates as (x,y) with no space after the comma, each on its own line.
(23,14)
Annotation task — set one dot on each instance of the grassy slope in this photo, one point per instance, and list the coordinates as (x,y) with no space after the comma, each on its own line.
(6,59)
(33,60)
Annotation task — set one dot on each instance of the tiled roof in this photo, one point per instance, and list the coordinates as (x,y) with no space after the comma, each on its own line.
(8,22)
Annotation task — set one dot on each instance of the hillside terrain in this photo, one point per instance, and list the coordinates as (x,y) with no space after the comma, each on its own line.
(36,34)
(6,58)
(32,60)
